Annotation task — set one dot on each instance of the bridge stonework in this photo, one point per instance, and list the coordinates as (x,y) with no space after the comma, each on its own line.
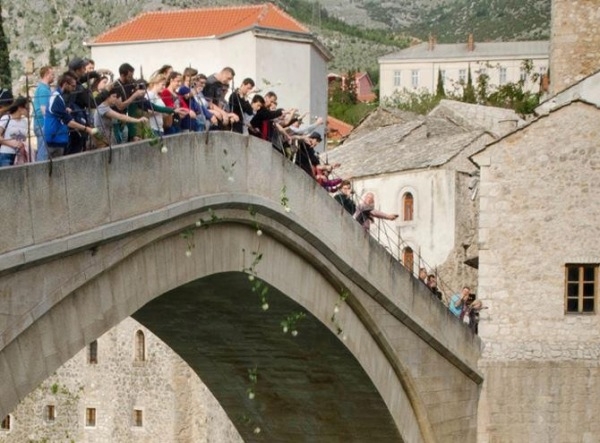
(100,239)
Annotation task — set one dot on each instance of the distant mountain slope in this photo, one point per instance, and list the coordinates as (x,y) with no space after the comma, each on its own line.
(33,26)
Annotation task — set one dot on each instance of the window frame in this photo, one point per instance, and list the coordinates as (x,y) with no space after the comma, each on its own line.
(502,75)
(6,423)
(580,285)
(50,413)
(408,207)
(414,78)
(397,78)
(408,258)
(140,346)
(93,353)
(91,417)
(138,418)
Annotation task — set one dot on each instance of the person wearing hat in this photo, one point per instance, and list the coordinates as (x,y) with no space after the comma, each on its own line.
(306,157)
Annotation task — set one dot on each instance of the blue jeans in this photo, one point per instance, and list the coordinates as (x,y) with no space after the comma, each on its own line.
(42,151)
(7,159)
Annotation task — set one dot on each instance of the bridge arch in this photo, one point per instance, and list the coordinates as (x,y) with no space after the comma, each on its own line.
(143,265)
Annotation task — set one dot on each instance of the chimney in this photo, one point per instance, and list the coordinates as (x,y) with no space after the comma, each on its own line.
(431,45)
(470,43)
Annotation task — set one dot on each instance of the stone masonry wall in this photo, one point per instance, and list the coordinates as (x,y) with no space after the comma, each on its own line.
(575,42)
(539,211)
(177,407)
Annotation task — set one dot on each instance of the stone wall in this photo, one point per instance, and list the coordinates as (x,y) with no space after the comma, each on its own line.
(177,407)
(575,42)
(538,212)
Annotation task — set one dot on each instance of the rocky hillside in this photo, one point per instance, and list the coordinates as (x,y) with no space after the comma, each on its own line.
(33,27)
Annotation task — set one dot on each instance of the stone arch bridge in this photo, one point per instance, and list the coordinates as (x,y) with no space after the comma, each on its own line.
(109,235)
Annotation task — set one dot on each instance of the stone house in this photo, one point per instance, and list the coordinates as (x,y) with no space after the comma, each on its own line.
(538,253)
(416,68)
(258,41)
(127,386)
(418,167)
(539,275)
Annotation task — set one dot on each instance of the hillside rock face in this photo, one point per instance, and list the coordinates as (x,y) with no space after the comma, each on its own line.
(35,26)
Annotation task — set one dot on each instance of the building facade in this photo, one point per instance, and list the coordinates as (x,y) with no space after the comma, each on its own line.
(575,42)
(418,168)
(418,67)
(127,386)
(258,41)
(539,274)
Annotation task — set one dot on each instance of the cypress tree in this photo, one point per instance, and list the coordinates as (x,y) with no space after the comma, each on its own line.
(5,76)
(469,90)
(440,92)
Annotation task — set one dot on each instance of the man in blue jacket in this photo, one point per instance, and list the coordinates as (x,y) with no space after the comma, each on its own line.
(58,120)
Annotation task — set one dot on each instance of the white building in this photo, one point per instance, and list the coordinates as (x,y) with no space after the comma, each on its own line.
(416,68)
(258,41)
(418,167)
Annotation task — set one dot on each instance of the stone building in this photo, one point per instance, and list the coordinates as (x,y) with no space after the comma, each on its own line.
(127,386)
(574,42)
(539,263)
(538,253)
(418,167)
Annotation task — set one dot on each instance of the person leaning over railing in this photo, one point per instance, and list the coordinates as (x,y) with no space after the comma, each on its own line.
(366,213)
(105,116)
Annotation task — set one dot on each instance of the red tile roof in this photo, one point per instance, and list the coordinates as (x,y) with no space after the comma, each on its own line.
(337,129)
(198,23)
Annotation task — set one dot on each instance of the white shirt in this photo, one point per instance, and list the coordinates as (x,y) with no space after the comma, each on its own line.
(14,129)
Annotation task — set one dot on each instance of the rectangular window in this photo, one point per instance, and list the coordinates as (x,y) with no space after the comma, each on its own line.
(50,413)
(580,288)
(415,78)
(138,418)
(523,75)
(93,353)
(462,76)
(5,425)
(501,75)
(542,70)
(398,78)
(90,417)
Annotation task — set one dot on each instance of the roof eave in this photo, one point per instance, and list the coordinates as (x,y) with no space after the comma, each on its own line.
(142,42)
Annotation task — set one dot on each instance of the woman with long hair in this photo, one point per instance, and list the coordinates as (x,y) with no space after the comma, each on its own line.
(13,133)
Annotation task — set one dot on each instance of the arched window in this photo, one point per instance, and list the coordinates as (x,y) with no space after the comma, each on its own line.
(93,353)
(408,258)
(408,206)
(140,346)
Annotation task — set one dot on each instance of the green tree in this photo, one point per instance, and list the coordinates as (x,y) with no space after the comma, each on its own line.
(440,92)
(52,61)
(469,90)
(5,76)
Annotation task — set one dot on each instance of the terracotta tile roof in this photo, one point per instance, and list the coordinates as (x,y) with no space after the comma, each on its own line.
(337,129)
(198,23)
